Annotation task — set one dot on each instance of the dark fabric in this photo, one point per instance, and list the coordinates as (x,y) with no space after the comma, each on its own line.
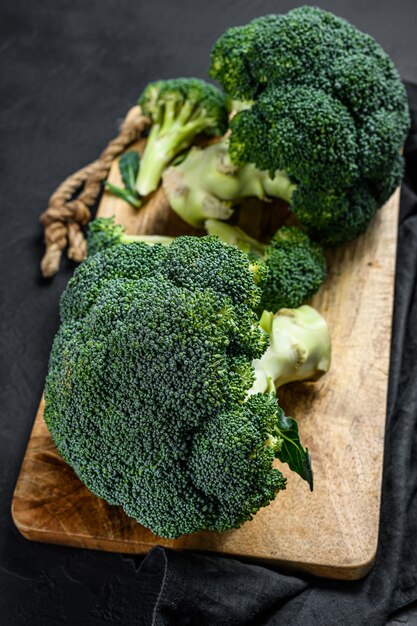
(68,71)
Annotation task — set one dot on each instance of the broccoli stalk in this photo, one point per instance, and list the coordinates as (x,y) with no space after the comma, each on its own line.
(207,184)
(179,109)
(104,233)
(299,349)
(297,265)
(235,236)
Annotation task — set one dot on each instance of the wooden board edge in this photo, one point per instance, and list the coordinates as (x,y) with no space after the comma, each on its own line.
(353,571)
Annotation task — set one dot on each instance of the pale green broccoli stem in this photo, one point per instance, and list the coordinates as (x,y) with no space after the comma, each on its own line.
(171,132)
(241,105)
(207,184)
(299,349)
(279,186)
(149,239)
(234,236)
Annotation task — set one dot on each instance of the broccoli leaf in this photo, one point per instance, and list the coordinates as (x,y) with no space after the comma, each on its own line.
(291,451)
(129,164)
(129,196)
(129,168)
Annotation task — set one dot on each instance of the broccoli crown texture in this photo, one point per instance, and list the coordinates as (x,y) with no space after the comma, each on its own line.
(296,265)
(187,100)
(103,233)
(147,390)
(180,109)
(325,104)
(335,218)
(297,268)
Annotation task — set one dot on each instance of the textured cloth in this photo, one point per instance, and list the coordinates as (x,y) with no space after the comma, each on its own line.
(69,69)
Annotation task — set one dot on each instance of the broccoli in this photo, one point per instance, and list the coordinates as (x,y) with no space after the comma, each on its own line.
(206,185)
(322,102)
(148,393)
(129,164)
(299,348)
(297,265)
(104,232)
(179,109)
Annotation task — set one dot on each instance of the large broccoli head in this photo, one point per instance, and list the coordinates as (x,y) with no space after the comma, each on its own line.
(327,106)
(147,391)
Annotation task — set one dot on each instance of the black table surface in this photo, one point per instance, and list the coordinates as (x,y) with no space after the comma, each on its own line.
(70,69)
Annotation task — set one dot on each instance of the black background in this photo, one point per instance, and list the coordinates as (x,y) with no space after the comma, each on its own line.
(69,70)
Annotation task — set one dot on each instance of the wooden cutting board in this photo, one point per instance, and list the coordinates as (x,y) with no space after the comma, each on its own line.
(331,532)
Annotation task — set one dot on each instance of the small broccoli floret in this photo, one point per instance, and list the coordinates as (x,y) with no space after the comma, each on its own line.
(104,232)
(180,109)
(296,265)
(324,104)
(297,269)
(337,218)
(149,394)
(206,185)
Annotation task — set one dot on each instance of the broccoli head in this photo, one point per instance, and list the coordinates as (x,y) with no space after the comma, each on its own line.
(179,109)
(148,390)
(296,265)
(325,105)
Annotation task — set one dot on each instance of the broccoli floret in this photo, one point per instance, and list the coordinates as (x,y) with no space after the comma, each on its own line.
(324,104)
(179,109)
(104,232)
(296,265)
(207,185)
(300,130)
(149,394)
(337,218)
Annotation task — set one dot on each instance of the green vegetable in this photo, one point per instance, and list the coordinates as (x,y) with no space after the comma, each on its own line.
(206,185)
(323,103)
(297,266)
(104,232)
(180,109)
(299,348)
(149,394)
(129,164)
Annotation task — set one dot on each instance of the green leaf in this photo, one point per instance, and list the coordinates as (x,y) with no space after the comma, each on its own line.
(129,168)
(125,194)
(291,451)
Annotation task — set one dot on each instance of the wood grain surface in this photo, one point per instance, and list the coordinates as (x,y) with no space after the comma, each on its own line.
(331,532)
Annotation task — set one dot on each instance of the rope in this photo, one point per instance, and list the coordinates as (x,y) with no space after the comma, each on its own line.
(65,215)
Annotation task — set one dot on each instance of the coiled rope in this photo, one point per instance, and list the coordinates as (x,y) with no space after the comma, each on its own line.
(67,212)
